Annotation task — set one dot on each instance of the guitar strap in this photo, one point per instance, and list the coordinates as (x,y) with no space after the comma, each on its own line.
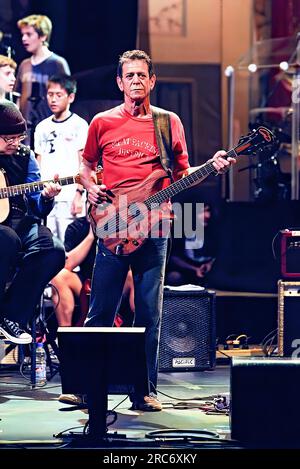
(163,133)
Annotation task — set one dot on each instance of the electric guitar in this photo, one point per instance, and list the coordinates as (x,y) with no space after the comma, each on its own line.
(28,188)
(127,220)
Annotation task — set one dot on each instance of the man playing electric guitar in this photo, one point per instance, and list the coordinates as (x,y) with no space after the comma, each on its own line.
(125,138)
(30,255)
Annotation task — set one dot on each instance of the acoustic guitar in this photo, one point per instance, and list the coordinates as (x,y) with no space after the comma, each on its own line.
(28,188)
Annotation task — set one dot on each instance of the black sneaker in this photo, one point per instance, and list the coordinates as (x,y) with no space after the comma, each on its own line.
(12,331)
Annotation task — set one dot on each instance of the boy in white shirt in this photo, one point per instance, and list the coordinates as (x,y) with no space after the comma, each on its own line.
(58,144)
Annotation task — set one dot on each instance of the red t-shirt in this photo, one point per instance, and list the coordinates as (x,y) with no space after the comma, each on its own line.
(128,147)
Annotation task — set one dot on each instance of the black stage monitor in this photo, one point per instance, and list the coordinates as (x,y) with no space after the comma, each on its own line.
(102,360)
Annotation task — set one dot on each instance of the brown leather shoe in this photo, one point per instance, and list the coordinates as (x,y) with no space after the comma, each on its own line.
(148,404)
(72,399)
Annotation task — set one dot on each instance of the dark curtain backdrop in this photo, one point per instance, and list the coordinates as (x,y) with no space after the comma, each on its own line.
(88,33)
(285,18)
(248,245)
(99,31)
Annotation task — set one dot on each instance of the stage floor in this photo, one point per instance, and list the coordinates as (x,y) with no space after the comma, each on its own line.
(31,417)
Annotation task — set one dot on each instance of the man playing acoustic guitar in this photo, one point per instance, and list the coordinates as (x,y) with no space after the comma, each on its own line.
(125,138)
(30,255)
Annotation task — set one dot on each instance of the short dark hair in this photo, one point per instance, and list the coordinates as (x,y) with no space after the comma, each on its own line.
(67,82)
(135,54)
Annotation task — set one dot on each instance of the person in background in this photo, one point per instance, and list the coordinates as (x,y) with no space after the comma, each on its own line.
(80,246)
(58,144)
(125,138)
(192,258)
(72,285)
(7,76)
(30,255)
(34,72)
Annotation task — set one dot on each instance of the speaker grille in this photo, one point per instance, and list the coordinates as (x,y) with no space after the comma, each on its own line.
(188,331)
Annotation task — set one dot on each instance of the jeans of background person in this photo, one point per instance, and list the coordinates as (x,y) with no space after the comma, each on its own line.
(148,268)
(36,257)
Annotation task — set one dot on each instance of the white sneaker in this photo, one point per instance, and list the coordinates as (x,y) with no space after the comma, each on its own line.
(12,331)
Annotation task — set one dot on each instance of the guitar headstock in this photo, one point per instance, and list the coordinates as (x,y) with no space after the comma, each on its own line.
(260,139)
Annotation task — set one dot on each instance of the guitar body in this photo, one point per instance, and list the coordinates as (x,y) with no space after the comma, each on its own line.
(126,222)
(134,215)
(4,203)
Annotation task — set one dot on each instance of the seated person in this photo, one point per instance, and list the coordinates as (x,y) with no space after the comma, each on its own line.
(80,245)
(30,255)
(69,286)
(191,258)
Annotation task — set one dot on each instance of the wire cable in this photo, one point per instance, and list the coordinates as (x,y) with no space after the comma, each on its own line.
(273,246)
(223,353)
(185,435)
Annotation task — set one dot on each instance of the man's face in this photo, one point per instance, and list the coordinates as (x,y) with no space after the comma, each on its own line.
(204,215)
(7,78)
(58,99)
(31,40)
(10,143)
(135,82)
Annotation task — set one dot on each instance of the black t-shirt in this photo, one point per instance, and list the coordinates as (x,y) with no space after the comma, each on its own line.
(74,235)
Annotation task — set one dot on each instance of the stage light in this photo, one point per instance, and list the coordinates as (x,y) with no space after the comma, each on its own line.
(284,66)
(252,68)
(229,71)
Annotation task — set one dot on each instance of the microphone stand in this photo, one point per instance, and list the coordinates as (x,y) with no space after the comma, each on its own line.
(8,51)
(230,75)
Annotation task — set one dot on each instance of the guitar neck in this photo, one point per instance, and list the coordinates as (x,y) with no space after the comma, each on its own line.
(184,183)
(31,187)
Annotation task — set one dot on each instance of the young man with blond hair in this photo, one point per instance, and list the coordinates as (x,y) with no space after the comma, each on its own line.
(34,72)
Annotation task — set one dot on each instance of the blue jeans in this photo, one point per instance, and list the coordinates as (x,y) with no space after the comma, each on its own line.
(148,269)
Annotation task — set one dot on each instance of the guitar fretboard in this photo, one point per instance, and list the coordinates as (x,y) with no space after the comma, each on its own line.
(184,183)
(29,188)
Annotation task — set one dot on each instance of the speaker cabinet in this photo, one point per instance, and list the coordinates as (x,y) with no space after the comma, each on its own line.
(264,402)
(188,332)
(9,354)
(289,319)
(290,253)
